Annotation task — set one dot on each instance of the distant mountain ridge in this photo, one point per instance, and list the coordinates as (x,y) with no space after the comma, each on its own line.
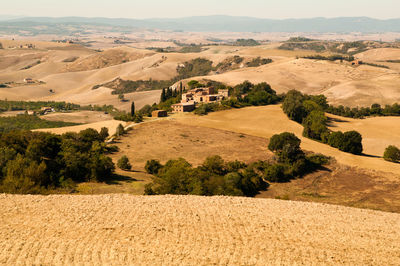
(225,23)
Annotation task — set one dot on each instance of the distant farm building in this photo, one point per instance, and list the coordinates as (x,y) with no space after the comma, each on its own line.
(356,63)
(46,110)
(159,113)
(199,95)
(183,107)
(29,80)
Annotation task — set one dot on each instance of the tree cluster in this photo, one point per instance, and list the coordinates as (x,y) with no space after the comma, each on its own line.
(213,177)
(309,111)
(217,177)
(36,162)
(357,112)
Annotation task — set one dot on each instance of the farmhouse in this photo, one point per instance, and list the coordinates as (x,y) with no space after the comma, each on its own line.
(183,107)
(199,95)
(28,80)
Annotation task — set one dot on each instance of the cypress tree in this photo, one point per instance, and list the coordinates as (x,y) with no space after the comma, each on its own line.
(163,95)
(132,108)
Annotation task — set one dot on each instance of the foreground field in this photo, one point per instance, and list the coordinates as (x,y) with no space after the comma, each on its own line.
(188,230)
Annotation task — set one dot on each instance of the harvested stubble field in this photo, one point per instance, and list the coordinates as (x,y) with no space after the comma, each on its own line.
(189,230)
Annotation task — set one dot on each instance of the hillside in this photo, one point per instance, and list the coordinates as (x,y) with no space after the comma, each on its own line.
(69,72)
(67,25)
(266,121)
(123,229)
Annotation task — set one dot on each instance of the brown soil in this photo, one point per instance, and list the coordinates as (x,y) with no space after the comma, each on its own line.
(188,230)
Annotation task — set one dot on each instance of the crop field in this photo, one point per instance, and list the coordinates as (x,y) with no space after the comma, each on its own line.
(188,230)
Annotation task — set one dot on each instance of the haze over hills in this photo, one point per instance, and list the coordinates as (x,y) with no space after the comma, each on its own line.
(217,23)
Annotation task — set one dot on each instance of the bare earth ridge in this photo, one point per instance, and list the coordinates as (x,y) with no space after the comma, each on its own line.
(190,230)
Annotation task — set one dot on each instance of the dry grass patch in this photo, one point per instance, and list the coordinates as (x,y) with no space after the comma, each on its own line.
(165,139)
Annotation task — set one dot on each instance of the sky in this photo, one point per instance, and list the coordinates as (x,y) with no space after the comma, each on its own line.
(274,9)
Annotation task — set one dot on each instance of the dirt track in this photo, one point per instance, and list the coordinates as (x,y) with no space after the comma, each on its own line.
(123,229)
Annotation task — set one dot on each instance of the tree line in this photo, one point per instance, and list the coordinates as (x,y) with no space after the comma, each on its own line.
(309,110)
(38,162)
(218,177)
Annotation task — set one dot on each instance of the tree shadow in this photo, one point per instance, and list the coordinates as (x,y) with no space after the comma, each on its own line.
(331,120)
(370,155)
(116,178)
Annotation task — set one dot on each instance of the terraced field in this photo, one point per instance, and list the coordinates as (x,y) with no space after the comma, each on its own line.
(189,230)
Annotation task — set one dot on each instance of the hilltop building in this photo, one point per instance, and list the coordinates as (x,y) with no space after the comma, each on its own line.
(199,95)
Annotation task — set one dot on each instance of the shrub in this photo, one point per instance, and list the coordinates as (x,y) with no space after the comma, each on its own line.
(392,154)
(120,130)
(123,163)
(152,167)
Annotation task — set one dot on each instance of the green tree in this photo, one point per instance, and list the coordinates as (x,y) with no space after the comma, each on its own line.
(104,133)
(315,125)
(352,142)
(336,139)
(24,176)
(293,106)
(132,108)
(124,164)
(152,167)
(276,173)
(392,154)
(287,147)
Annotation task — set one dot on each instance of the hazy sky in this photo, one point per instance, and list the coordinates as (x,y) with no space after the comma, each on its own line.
(180,8)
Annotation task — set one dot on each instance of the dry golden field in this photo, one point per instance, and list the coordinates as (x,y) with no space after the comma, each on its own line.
(266,121)
(189,230)
(168,139)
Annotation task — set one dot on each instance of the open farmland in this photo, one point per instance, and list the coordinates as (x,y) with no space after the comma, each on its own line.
(269,120)
(176,230)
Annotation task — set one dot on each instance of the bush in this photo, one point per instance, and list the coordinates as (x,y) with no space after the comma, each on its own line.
(123,163)
(120,130)
(392,154)
(152,167)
